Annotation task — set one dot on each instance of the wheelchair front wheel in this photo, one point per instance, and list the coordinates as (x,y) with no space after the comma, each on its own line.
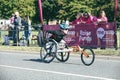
(48,51)
(90,58)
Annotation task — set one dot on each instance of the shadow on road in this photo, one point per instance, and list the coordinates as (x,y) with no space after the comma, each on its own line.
(39,60)
(34,60)
(68,63)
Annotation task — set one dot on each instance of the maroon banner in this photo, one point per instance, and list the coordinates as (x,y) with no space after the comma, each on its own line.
(51,27)
(106,35)
(89,35)
(72,38)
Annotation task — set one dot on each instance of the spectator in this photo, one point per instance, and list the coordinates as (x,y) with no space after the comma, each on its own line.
(12,19)
(86,18)
(11,27)
(93,18)
(10,32)
(78,19)
(27,28)
(1,24)
(102,17)
(17,26)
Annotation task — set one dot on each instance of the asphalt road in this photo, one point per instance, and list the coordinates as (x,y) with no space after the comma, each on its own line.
(23,66)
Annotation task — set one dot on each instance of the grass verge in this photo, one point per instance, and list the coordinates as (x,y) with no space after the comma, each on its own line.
(110,52)
(20,48)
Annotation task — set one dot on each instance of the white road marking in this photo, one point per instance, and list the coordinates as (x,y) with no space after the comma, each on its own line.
(54,72)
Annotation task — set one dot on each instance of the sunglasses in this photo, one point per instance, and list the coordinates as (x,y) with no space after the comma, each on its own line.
(65,29)
(85,15)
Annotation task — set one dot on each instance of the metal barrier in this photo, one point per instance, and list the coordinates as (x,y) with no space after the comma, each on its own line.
(85,35)
(6,38)
(90,35)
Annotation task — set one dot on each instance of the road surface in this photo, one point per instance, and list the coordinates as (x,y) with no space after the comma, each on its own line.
(24,66)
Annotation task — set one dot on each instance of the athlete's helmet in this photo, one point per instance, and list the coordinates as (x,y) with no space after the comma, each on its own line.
(64,26)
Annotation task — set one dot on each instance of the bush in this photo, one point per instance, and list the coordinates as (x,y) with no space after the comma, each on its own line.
(118,25)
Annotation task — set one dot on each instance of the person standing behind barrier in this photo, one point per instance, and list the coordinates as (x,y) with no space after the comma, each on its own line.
(78,19)
(86,18)
(27,28)
(17,26)
(11,27)
(102,17)
(12,19)
(93,18)
(1,24)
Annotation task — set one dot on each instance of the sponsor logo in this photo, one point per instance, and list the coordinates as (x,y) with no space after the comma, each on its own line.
(100,33)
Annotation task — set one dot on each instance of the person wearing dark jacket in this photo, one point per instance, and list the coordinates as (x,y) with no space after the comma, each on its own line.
(27,28)
(58,35)
(17,25)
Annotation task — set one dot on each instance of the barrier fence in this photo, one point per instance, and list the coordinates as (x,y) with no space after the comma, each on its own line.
(86,35)
(6,36)
(90,35)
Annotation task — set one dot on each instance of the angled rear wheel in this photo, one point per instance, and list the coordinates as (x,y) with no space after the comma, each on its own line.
(48,51)
(63,56)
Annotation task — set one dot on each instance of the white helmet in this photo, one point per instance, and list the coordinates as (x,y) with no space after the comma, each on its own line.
(64,26)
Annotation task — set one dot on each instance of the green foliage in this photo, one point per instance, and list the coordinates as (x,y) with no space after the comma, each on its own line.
(24,7)
(57,9)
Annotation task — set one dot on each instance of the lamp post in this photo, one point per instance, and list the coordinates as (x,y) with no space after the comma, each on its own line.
(115,16)
(40,11)
(115,9)
(12,5)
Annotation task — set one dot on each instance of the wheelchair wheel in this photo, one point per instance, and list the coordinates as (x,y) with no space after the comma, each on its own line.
(63,56)
(48,51)
(90,59)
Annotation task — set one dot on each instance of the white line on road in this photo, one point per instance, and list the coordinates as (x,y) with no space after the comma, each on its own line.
(54,72)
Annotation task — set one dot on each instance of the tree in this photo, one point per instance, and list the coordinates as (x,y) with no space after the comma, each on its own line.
(50,9)
(23,7)
(56,9)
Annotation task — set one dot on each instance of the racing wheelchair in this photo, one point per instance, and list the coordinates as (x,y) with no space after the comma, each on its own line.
(50,48)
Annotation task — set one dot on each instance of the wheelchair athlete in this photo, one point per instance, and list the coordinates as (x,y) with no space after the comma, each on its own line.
(58,35)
